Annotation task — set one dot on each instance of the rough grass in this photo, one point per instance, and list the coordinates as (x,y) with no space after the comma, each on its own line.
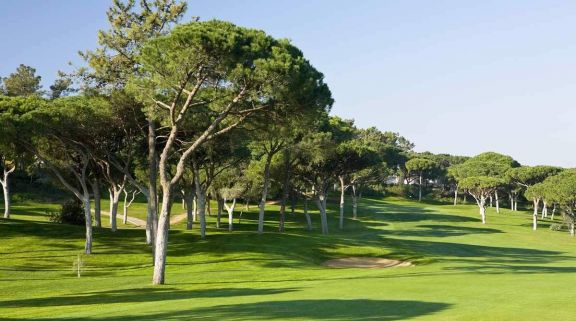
(464,270)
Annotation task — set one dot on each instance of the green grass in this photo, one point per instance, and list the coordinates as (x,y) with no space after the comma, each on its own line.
(464,270)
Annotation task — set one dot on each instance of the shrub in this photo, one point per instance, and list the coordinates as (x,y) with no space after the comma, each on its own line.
(71,212)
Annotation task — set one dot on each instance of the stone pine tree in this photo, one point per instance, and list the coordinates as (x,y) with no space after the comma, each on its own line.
(420,166)
(23,82)
(219,75)
(131,24)
(480,187)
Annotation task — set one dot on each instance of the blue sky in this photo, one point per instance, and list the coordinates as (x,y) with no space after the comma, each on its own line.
(459,77)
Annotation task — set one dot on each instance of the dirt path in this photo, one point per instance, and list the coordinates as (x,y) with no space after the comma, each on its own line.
(142,223)
(132,220)
(366,262)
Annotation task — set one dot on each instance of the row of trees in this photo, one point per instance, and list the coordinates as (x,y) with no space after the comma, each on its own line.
(193,110)
(210,110)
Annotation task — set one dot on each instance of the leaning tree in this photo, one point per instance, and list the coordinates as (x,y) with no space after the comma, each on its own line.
(217,71)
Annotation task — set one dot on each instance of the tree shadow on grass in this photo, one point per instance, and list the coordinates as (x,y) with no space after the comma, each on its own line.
(337,310)
(139,295)
(442,231)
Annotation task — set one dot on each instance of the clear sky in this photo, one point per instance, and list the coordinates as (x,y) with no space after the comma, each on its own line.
(459,77)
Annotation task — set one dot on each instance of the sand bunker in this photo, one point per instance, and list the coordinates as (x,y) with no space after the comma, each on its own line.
(366,262)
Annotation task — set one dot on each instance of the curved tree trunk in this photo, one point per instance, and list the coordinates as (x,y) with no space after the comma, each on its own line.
(262,206)
(497,202)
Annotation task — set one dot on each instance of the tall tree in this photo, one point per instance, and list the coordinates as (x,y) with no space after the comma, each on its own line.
(420,166)
(61,134)
(23,82)
(218,72)
(131,24)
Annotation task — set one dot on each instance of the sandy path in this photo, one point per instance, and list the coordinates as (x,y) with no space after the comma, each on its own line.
(142,223)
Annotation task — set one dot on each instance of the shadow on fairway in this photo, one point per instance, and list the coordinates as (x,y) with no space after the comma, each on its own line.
(139,295)
(337,310)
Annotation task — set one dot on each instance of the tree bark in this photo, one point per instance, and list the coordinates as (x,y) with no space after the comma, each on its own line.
(483,210)
(321,203)
(497,202)
(536,203)
(125,208)
(262,206)
(553,211)
(162,236)
(342,190)
(354,203)
(456,195)
(97,203)
(189,198)
(307,215)
(230,210)
(420,187)
(152,197)
(6,192)
(285,191)
(88,223)
(220,205)
(544,209)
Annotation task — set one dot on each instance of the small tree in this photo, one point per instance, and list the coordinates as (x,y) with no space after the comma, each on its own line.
(420,166)
(480,187)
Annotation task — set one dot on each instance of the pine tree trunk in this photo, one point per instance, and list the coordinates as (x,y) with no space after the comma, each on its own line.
(544,209)
(125,209)
(354,203)
(97,203)
(420,187)
(482,205)
(162,237)
(152,198)
(201,196)
(88,224)
(497,202)
(535,202)
(285,191)
(264,194)
(553,211)
(189,197)
(115,194)
(321,202)
(6,193)
(220,205)
(230,211)
(342,190)
(307,215)
(456,195)
(195,211)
